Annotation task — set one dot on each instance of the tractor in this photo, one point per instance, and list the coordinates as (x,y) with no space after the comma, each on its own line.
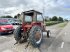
(32,28)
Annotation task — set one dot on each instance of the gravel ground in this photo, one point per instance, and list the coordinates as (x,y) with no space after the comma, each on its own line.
(62,41)
(47,42)
(7,45)
(21,48)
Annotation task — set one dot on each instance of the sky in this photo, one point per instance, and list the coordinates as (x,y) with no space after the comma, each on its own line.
(47,7)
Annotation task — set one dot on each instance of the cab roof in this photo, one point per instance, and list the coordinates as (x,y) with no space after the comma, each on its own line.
(31,11)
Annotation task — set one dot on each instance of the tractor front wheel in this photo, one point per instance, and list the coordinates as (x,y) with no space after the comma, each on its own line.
(36,36)
(48,33)
(17,34)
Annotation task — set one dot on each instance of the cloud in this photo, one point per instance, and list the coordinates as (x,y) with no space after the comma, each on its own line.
(51,7)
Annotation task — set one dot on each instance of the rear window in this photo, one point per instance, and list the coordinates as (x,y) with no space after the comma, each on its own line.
(28,19)
(4,22)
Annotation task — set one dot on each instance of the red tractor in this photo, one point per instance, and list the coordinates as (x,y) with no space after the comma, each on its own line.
(31,29)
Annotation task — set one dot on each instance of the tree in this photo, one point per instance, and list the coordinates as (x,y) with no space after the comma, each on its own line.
(18,15)
(9,17)
(54,18)
(47,18)
(50,19)
(66,20)
(60,19)
(15,16)
(6,17)
(2,16)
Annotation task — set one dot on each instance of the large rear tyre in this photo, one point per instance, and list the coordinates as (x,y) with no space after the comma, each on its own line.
(36,36)
(17,34)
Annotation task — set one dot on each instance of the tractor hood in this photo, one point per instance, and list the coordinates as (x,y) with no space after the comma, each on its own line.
(28,26)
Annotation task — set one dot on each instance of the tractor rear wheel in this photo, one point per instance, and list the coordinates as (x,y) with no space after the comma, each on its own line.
(36,36)
(17,34)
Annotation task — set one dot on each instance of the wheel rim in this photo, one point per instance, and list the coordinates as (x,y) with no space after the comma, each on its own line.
(38,36)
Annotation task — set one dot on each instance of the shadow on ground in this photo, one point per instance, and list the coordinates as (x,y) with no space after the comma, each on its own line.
(46,43)
(5,34)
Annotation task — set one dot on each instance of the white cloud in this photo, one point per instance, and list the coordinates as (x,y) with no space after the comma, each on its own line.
(51,7)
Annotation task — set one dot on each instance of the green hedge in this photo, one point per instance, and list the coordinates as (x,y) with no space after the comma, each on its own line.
(52,23)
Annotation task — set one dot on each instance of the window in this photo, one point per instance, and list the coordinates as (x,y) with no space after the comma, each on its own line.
(39,18)
(28,19)
(4,22)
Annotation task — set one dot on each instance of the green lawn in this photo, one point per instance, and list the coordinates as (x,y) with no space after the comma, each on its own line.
(61,25)
(52,23)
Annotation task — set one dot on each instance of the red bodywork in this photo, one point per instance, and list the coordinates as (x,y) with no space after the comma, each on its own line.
(26,27)
(7,28)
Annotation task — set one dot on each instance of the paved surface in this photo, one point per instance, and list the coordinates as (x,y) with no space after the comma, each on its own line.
(62,41)
(7,42)
(55,29)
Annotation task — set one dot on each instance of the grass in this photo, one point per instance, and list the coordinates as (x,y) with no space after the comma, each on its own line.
(61,25)
(49,23)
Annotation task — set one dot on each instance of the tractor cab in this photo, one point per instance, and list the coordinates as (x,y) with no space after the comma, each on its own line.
(31,18)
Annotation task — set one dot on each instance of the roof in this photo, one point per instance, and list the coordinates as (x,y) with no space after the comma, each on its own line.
(32,11)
